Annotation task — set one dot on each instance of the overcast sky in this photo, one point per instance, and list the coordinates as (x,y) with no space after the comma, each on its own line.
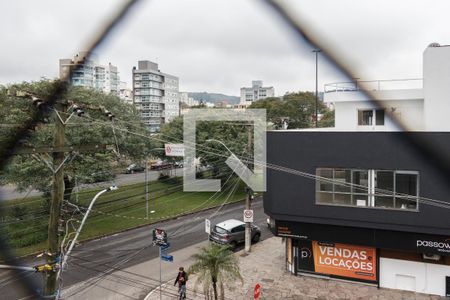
(222,45)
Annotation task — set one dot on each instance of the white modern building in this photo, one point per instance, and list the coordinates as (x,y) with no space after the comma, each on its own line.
(420,104)
(90,73)
(254,93)
(380,192)
(155,94)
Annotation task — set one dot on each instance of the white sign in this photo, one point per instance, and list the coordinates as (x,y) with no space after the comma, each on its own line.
(248,215)
(207,226)
(174,149)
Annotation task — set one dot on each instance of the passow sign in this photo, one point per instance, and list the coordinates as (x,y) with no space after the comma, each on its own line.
(345,260)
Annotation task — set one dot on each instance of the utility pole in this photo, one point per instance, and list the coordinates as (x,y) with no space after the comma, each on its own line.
(57,196)
(248,225)
(146,187)
(52,254)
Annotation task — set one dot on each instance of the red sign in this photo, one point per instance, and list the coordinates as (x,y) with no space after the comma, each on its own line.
(257,291)
(345,260)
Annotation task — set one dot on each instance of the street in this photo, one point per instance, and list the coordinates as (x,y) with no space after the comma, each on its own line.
(94,259)
(8,192)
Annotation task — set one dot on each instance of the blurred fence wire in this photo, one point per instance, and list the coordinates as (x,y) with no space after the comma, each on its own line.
(305,33)
(13,141)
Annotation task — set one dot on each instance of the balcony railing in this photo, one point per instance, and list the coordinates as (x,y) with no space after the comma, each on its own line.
(374,85)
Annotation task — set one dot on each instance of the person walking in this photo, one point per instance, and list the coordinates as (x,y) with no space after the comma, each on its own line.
(181,280)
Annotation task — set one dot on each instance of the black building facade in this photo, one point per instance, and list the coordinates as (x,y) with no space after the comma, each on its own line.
(365,206)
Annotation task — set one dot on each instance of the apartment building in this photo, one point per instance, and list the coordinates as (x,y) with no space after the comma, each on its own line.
(369,200)
(125,93)
(255,92)
(155,94)
(90,73)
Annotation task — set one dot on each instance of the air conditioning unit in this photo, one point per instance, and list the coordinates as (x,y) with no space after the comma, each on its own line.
(431,256)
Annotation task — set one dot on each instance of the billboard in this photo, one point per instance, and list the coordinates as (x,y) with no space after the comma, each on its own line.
(174,149)
(349,261)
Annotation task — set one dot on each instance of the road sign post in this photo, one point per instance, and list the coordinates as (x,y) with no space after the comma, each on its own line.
(160,277)
(207,226)
(159,237)
(248,215)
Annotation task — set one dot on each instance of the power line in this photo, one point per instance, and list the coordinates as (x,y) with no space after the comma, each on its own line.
(382,192)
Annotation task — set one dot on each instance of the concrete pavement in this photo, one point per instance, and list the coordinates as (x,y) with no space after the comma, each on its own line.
(134,282)
(266,266)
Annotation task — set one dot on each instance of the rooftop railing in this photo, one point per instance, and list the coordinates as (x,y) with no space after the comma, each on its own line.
(374,85)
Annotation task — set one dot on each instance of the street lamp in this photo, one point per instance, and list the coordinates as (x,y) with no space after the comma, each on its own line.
(317,96)
(72,244)
(146,181)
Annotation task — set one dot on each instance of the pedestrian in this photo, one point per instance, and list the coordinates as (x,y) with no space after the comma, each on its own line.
(181,280)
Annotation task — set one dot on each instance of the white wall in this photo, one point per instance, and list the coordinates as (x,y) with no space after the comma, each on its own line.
(416,276)
(436,84)
(409,112)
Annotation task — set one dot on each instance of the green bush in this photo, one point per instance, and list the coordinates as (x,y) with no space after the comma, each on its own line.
(19,212)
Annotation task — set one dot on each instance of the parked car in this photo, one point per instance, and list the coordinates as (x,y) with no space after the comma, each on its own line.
(178,164)
(232,232)
(133,168)
(161,165)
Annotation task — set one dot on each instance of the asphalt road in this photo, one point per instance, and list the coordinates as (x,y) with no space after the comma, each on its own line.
(8,192)
(126,249)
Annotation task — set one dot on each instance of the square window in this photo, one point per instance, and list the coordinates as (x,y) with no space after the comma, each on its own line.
(384,202)
(360,182)
(325,186)
(379,115)
(343,199)
(342,180)
(365,117)
(324,198)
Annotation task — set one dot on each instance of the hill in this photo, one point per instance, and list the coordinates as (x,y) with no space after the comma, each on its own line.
(214,97)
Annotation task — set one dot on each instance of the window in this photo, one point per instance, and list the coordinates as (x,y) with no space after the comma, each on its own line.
(367,117)
(239,228)
(379,117)
(392,189)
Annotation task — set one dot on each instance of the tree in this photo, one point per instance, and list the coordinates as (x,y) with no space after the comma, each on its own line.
(327,119)
(94,129)
(211,153)
(296,109)
(215,265)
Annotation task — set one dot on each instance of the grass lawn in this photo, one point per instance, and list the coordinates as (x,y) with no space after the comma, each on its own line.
(114,211)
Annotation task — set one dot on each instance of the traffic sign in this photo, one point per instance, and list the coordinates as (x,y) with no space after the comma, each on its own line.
(207,226)
(248,215)
(159,236)
(165,246)
(257,291)
(167,257)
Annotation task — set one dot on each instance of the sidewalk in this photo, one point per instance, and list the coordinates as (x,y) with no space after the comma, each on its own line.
(134,282)
(265,265)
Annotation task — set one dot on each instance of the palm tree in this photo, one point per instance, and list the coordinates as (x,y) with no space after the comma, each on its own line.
(214,265)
